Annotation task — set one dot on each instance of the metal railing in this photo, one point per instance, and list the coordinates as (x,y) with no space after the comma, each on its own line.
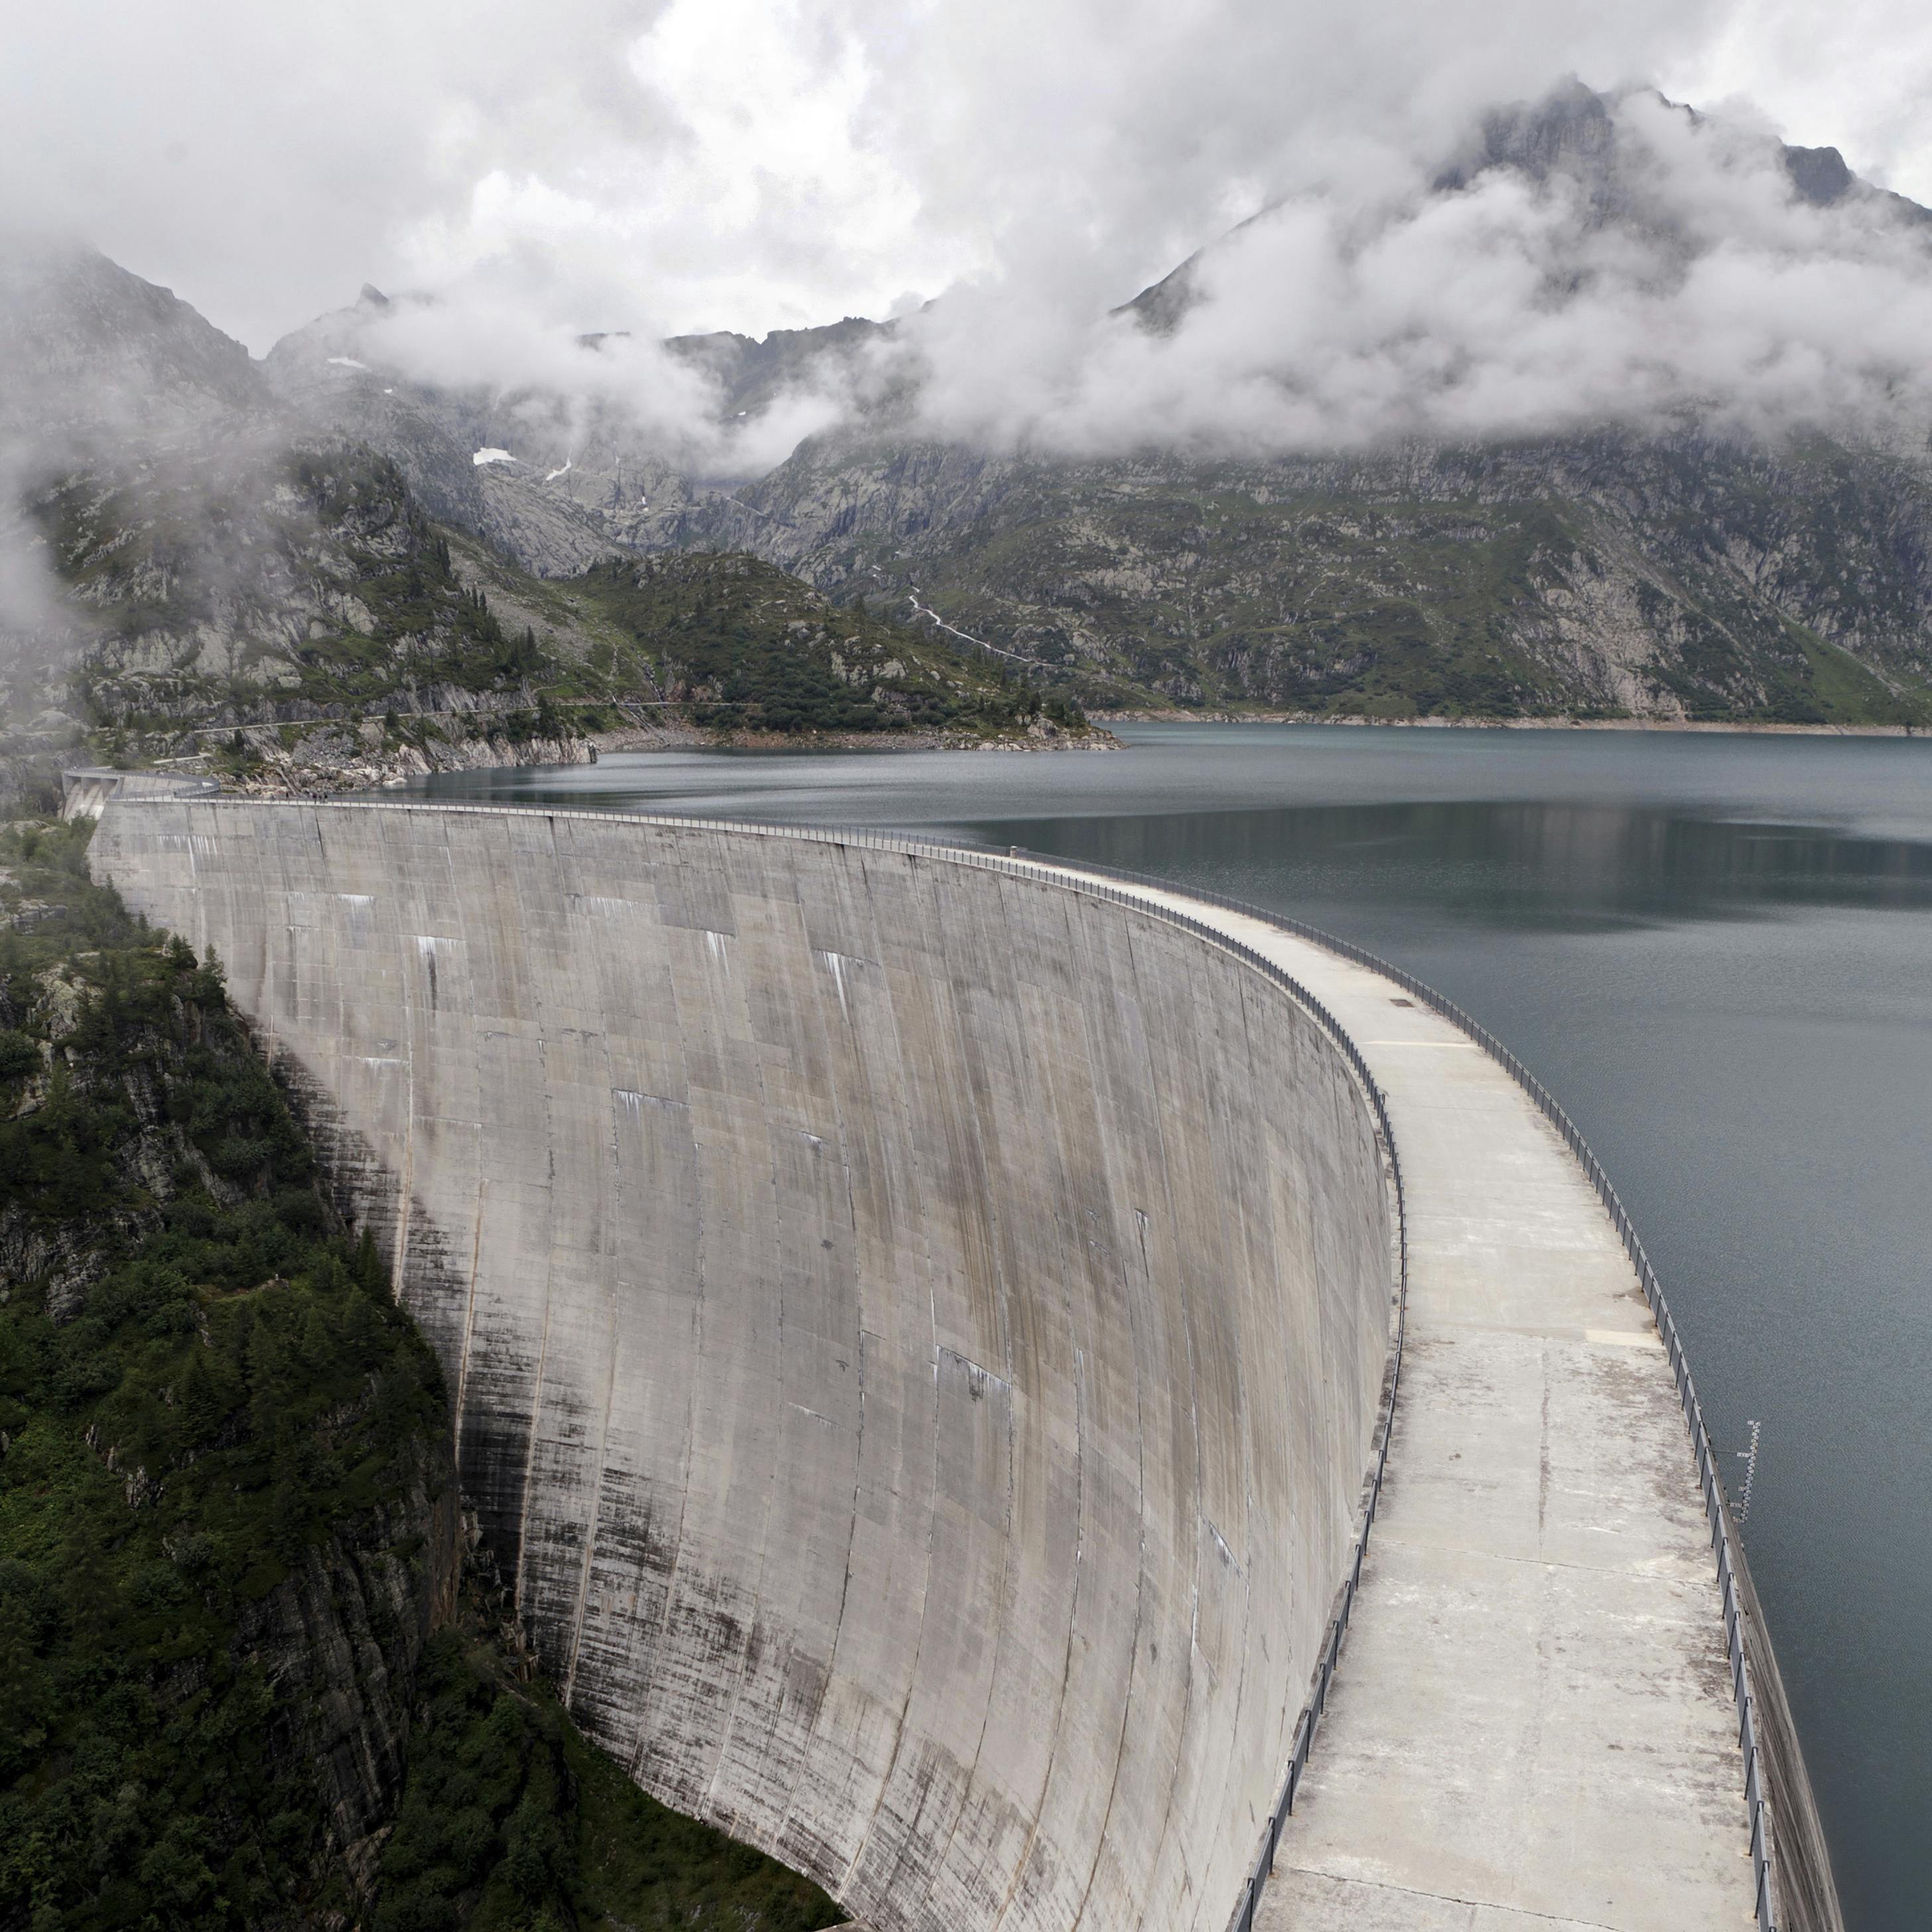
(1116,884)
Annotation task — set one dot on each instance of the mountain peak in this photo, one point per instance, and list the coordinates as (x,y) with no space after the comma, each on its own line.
(87,343)
(1819,175)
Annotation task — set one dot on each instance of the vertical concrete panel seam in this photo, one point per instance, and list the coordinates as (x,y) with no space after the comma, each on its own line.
(1024,1863)
(944,1010)
(1095,1055)
(746,1666)
(534,1434)
(659,1644)
(913,1154)
(1151,1077)
(613,1290)
(785,1811)
(970,1771)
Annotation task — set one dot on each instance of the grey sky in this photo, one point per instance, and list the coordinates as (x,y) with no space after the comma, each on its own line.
(689,164)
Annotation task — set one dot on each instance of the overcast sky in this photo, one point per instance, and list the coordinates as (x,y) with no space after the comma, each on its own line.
(686,164)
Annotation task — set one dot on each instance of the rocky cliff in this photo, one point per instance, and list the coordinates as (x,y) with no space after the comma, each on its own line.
(229,1518)
(1687,577)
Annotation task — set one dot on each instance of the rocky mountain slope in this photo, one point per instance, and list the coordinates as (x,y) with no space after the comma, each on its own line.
(1689,574)
(195,570)
(1686,573)
(1684,578)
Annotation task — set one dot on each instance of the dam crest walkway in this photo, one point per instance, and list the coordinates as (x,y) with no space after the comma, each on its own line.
(1533,1724)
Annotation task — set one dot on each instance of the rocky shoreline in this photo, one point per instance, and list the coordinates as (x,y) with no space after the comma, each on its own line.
(1680,725)
(283,774)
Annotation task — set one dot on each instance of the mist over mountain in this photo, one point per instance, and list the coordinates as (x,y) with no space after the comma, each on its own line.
(1620,408)
(1613,408)
(306,572)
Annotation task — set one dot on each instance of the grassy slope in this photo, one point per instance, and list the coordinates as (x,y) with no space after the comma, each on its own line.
(235,1390)
(1321,604)
(740,645)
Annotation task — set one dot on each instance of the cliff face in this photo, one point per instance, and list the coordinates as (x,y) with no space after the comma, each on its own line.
(1688,577)
(229,1519)
(341,1641)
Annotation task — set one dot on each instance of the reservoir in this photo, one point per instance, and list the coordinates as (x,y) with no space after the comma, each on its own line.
(1717,951)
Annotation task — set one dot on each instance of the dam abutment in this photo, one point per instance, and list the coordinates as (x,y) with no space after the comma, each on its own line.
(922,1325)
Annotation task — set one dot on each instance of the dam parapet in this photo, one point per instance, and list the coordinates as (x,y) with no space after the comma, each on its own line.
(86,789)
(923,1325)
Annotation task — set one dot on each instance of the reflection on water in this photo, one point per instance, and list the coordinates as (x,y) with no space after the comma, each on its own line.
(1717,952)
(1516,864)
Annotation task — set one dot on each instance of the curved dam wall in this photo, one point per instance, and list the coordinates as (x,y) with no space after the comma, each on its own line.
(916,1332)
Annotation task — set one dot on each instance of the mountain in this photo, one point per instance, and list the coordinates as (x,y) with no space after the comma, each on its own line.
(277,546)
(1687,577)
(1689,572)
(1687,569)
(525,505)
(95,356)
(303,577)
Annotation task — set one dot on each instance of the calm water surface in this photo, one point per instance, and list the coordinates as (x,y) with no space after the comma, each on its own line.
(1717,952)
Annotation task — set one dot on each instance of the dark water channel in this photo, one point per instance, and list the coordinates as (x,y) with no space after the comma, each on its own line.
(1717,952)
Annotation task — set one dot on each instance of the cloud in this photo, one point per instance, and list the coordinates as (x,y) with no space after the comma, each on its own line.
(672,165)
(665,165)
(1511,308)
(571,396)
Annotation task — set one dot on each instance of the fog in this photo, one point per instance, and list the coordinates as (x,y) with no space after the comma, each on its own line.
(1001,177)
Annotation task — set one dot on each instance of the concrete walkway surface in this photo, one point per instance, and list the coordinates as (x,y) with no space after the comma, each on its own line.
(1533,1724)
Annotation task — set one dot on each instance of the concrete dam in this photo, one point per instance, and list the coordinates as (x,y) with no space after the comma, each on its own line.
(921,1329)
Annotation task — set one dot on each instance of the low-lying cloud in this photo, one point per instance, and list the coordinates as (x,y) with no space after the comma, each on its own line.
(1706,288)
(651,167)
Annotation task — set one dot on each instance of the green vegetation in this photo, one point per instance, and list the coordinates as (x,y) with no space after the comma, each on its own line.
(1498,583)
(216,1431)
(331,590)
(744,647)
(1202,589)
(510,1820)
(307,612)
(1849,693)
(229,1391)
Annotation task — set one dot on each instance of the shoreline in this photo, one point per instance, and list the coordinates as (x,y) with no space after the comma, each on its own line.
(690,738)
(1687,726)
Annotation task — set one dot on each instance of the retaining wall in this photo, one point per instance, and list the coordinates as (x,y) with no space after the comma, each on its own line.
(916,1332)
